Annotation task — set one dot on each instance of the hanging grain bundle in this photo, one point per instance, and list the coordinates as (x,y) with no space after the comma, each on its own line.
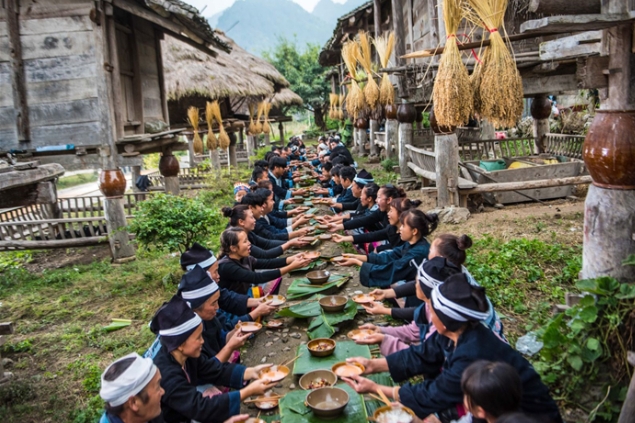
(266,128)
(223,138)
(452,93)
(212,142)
(192,115)
(371,89)
(500,89)
(252,124)
(340,103)
(355,97)
(258,116)
(333,105)
(384,45)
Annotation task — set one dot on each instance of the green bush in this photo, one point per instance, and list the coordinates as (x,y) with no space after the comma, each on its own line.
(388,164)
(172,223)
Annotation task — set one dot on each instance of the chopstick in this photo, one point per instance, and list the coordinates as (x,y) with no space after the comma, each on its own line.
(263,399)
(383,396)
(292,360)
(373,396)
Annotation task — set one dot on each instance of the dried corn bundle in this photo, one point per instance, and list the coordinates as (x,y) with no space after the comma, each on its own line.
(258,116)
(252,124)
(355,97)
(452,94)
(371,89)
(500,88)
(266,128)
(212,142)
(192,115)
(384,45)
(223,138)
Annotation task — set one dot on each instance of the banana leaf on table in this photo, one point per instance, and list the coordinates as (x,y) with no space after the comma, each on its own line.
(382,379)
(302,287)
(293,410)
(343,350)
(322,326)
(310,266)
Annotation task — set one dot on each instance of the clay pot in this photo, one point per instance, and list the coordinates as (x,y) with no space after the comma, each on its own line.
(112,183)
(362,123)
(239,124)
(609,149)
(391,111)
(169,165)
(439,130)
(540,108)
(406,113)
(419,115)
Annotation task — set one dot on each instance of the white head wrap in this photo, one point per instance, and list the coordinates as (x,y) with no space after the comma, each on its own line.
(454,310)
(204,264)
(130,382)
(426,279)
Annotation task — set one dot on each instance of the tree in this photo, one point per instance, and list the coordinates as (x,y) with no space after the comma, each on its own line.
(304,73)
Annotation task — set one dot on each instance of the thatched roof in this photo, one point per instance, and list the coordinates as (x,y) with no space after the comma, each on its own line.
(286,97)
(189,71)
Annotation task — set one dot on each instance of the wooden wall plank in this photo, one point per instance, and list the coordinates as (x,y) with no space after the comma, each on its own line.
(150,86)
(85,133)
(69,112)
(6,95)
(57,45)
(7,118)
(8,138)
(61,91)
(60,68)
(152,108)
(38,11)
(55,25)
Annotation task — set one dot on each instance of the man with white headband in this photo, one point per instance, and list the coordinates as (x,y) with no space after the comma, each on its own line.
(131,388)
(457,310)
(361,179)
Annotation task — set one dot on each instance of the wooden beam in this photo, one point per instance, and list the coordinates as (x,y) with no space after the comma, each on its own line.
(58,243)
(18,82)
(576,23)
(40,193)
(6,328)
(400,45)
(549,85)
(522,185)
(565,7)
(28,177)
(578,45)
(377,22)
(592,72)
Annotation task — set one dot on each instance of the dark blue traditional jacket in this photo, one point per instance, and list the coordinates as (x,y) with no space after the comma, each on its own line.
(385,268)
(443,364)
(182,402)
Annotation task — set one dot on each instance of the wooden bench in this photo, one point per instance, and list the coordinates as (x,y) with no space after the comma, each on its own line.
(6,328)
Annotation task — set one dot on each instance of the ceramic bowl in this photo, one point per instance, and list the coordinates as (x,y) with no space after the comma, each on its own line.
(318,377)
(333,303)
(321,347)
(327,402)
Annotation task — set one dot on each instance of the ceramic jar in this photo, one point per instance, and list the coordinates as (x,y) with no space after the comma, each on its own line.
(112,183)
(169,165)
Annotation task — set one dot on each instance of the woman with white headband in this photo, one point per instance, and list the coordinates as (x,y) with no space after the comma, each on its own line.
(361,180)
(457,310)
(183,368)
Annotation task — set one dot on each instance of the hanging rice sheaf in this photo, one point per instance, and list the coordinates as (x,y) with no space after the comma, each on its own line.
(340,112)
(333,98)
(223,138)
(452,94)
(384,45)
(261,106)
(252,124)
(355,98)
(500,88)
(371,89)
(266,128)
(212,142)
(192,115)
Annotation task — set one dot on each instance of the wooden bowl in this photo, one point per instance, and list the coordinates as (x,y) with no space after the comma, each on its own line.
(321,347)
(252,420)
(325,237)
(333,303)
(316,400)
(275,323)
(298,199)
(327,377)
(344,369)
(264,403)
(337,259)
(249,327)
(318,277)
(363,298)
(276,300)
(308,239)
(386,408)
(274,373)
(323,227)
(312,255)
(310,215)
(358,334)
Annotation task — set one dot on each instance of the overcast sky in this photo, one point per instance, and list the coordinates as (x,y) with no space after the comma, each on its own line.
(215,6)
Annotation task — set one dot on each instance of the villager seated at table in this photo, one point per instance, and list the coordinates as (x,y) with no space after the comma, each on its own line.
(183,368)
(237,268)
(457,311)
(385,268)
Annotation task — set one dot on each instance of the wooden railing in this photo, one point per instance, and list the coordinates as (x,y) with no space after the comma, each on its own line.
(564,145)
(93,206)
(495,149)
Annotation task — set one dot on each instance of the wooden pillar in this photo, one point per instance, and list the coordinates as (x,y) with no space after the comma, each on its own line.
(169,168)
(376,22)
(136,172)
(540,111)
(232,160)
(215,159)
(190,149)
(281,129)
(400,45)
(406,115)
(112,184)
(249,146)
(18,82)
(446,149)
(362,137)
(374,127)
(392,138)
(487,130)
(267,140)
(609,151)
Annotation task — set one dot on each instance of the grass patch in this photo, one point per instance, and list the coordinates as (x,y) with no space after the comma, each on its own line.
(78,179)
